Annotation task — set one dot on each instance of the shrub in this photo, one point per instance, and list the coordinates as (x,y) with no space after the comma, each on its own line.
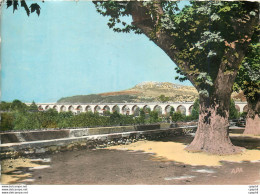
(233,113)
(5,106)
(154,117)
(7,121)
(178,116)
(195,110)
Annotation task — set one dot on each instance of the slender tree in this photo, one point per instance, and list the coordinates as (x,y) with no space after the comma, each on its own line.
(33,107)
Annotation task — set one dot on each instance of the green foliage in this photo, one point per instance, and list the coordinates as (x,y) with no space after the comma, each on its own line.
(118,12)
(64,119)
(171,111)
(248,78)
(7,121)
(33,107)
(141,118)
(233,113)
(34,7)
(106,113)
(202,37)
(5,106)
(154,117)
(243,115)
(163,98)
(28,120)
(189,118)
(25,121)
(115,117)
(195,109)
(48,119)
(17,105)
(178,116)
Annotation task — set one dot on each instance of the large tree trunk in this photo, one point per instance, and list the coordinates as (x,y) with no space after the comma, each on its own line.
(212,134)
(253,118)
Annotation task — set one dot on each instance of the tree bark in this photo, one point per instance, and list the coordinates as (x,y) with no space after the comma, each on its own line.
(253,118)
(212,135)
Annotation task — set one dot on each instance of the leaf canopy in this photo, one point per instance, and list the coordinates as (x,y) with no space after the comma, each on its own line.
(203,38)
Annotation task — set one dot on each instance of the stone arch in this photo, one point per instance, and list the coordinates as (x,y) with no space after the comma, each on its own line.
(88,109)
(147,108)
(62,108)
(40,108)
(168,109)
(181,109)
(79,109)
(116,109)
(245,109)
(125,110)
(47,107)
(190,109)
(97,109)
(106,110)
(71,108)
(158,109)
(55,107)
(136,110)
(237,107)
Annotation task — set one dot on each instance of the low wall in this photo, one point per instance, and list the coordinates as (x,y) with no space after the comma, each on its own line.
(183,124)
(13,137)
(83,139)
(238,130)
(24,136)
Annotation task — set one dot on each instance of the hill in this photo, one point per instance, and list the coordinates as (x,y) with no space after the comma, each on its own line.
(143,92)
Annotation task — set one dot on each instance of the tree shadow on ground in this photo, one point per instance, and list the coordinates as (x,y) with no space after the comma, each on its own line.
(241,141)
(246,142)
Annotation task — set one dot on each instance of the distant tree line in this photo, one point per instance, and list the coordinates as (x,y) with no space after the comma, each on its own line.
(18,116)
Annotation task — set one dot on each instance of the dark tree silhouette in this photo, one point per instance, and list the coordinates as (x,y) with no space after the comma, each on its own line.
(34,7)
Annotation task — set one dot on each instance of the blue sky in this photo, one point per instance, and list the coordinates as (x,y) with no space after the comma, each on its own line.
(69,50)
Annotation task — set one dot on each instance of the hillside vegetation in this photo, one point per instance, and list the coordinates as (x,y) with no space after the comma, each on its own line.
(143,92)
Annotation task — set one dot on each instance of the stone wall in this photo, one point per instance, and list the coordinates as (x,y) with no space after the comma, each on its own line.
(90,138)
(24,136)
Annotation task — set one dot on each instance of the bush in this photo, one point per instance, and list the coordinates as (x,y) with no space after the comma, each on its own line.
(154,117)
(233,113)
(243,115)
(195,110)
(178,116)
(7,121)
(5,106)
(26,121)
(17,105)
(189,118)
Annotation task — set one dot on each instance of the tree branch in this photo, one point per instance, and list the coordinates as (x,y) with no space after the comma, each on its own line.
(142,19)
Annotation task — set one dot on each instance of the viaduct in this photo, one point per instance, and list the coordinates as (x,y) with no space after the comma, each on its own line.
(127,108)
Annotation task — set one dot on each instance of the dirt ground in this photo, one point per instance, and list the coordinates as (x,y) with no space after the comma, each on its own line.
(142,163)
